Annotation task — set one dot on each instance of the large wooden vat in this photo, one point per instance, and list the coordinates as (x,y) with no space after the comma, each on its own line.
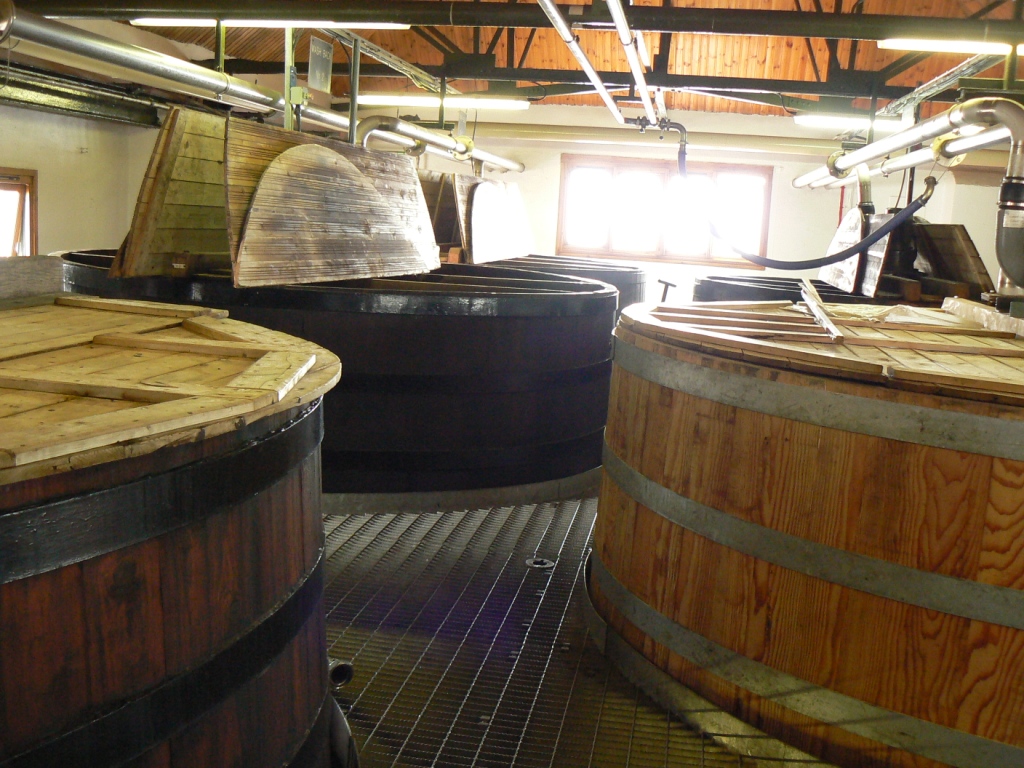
(630,282)
(826,540)
(160,540)
(470,377)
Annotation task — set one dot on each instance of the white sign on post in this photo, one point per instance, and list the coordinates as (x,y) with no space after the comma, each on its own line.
(321,60)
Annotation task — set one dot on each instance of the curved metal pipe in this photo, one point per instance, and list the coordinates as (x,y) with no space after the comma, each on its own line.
(670,125)
(382,125)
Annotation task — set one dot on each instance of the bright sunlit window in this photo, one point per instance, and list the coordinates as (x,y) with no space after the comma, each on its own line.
(642,209)
(17,212)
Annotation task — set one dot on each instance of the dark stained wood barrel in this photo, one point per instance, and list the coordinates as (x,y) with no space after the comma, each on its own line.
(469,377)
(837,562)
(630,281)
(166,609)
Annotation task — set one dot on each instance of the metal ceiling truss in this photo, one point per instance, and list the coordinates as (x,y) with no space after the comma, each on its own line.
(420,77)
(849,26)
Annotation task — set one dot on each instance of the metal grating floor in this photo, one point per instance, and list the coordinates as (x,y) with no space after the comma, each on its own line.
(465,655)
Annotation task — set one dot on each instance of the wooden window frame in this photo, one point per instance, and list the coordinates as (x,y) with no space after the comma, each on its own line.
(669,167)
(26,181)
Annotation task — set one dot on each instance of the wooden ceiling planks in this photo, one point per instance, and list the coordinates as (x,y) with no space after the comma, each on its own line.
(691,54)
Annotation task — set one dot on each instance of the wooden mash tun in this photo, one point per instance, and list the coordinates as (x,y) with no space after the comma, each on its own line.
(274,207)
(811,516)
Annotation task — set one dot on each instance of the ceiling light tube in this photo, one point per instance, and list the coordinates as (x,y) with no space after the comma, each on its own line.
(626,38)
(565,32)
(433,100)
(845,122)
(163,21)
(946,46)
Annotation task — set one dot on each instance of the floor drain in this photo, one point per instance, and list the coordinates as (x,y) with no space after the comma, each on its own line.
(540,562)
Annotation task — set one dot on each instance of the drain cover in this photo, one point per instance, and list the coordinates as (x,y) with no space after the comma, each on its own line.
(540,562)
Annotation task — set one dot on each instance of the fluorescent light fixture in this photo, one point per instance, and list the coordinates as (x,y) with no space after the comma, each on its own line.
(265,23)
(433,100)
(946,46)
(846,122)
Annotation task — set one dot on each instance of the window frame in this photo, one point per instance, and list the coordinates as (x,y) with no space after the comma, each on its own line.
(621,164)
(25,181)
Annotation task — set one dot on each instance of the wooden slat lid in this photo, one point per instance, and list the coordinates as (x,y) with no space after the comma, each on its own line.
(904,347)
(79,375)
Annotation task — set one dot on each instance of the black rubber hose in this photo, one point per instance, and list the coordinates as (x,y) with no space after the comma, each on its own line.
(843,255)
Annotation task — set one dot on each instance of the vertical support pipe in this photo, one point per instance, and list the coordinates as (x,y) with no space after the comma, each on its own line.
(289,67)
(440,107)
(353,88)
(1010,70)
(218,51)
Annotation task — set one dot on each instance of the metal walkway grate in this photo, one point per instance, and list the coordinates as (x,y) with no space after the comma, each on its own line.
(465,655)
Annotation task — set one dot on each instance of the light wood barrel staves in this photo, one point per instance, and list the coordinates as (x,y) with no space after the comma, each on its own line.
(838,563)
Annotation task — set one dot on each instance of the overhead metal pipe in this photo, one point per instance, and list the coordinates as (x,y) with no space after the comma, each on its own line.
(381,126)
(636,66)
(888,167)
(938,84)
(51,34)
(27,26)
(717,21)
(569,38)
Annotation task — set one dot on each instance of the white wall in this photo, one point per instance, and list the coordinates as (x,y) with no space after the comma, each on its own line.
(802,222)
(89,174)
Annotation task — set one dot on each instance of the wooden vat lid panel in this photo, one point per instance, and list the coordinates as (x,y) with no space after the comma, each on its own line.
(130,371)
(274,207)
(902,347)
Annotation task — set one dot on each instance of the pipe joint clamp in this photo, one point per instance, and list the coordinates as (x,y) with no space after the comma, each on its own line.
(468,144)
(831,165)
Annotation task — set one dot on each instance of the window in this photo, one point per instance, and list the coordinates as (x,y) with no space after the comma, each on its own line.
(18,217)
(642,209)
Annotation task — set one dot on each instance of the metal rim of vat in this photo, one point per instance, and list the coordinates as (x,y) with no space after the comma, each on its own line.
(984,435)
(59,533)
(580,297)
(893,729)
(134,728)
